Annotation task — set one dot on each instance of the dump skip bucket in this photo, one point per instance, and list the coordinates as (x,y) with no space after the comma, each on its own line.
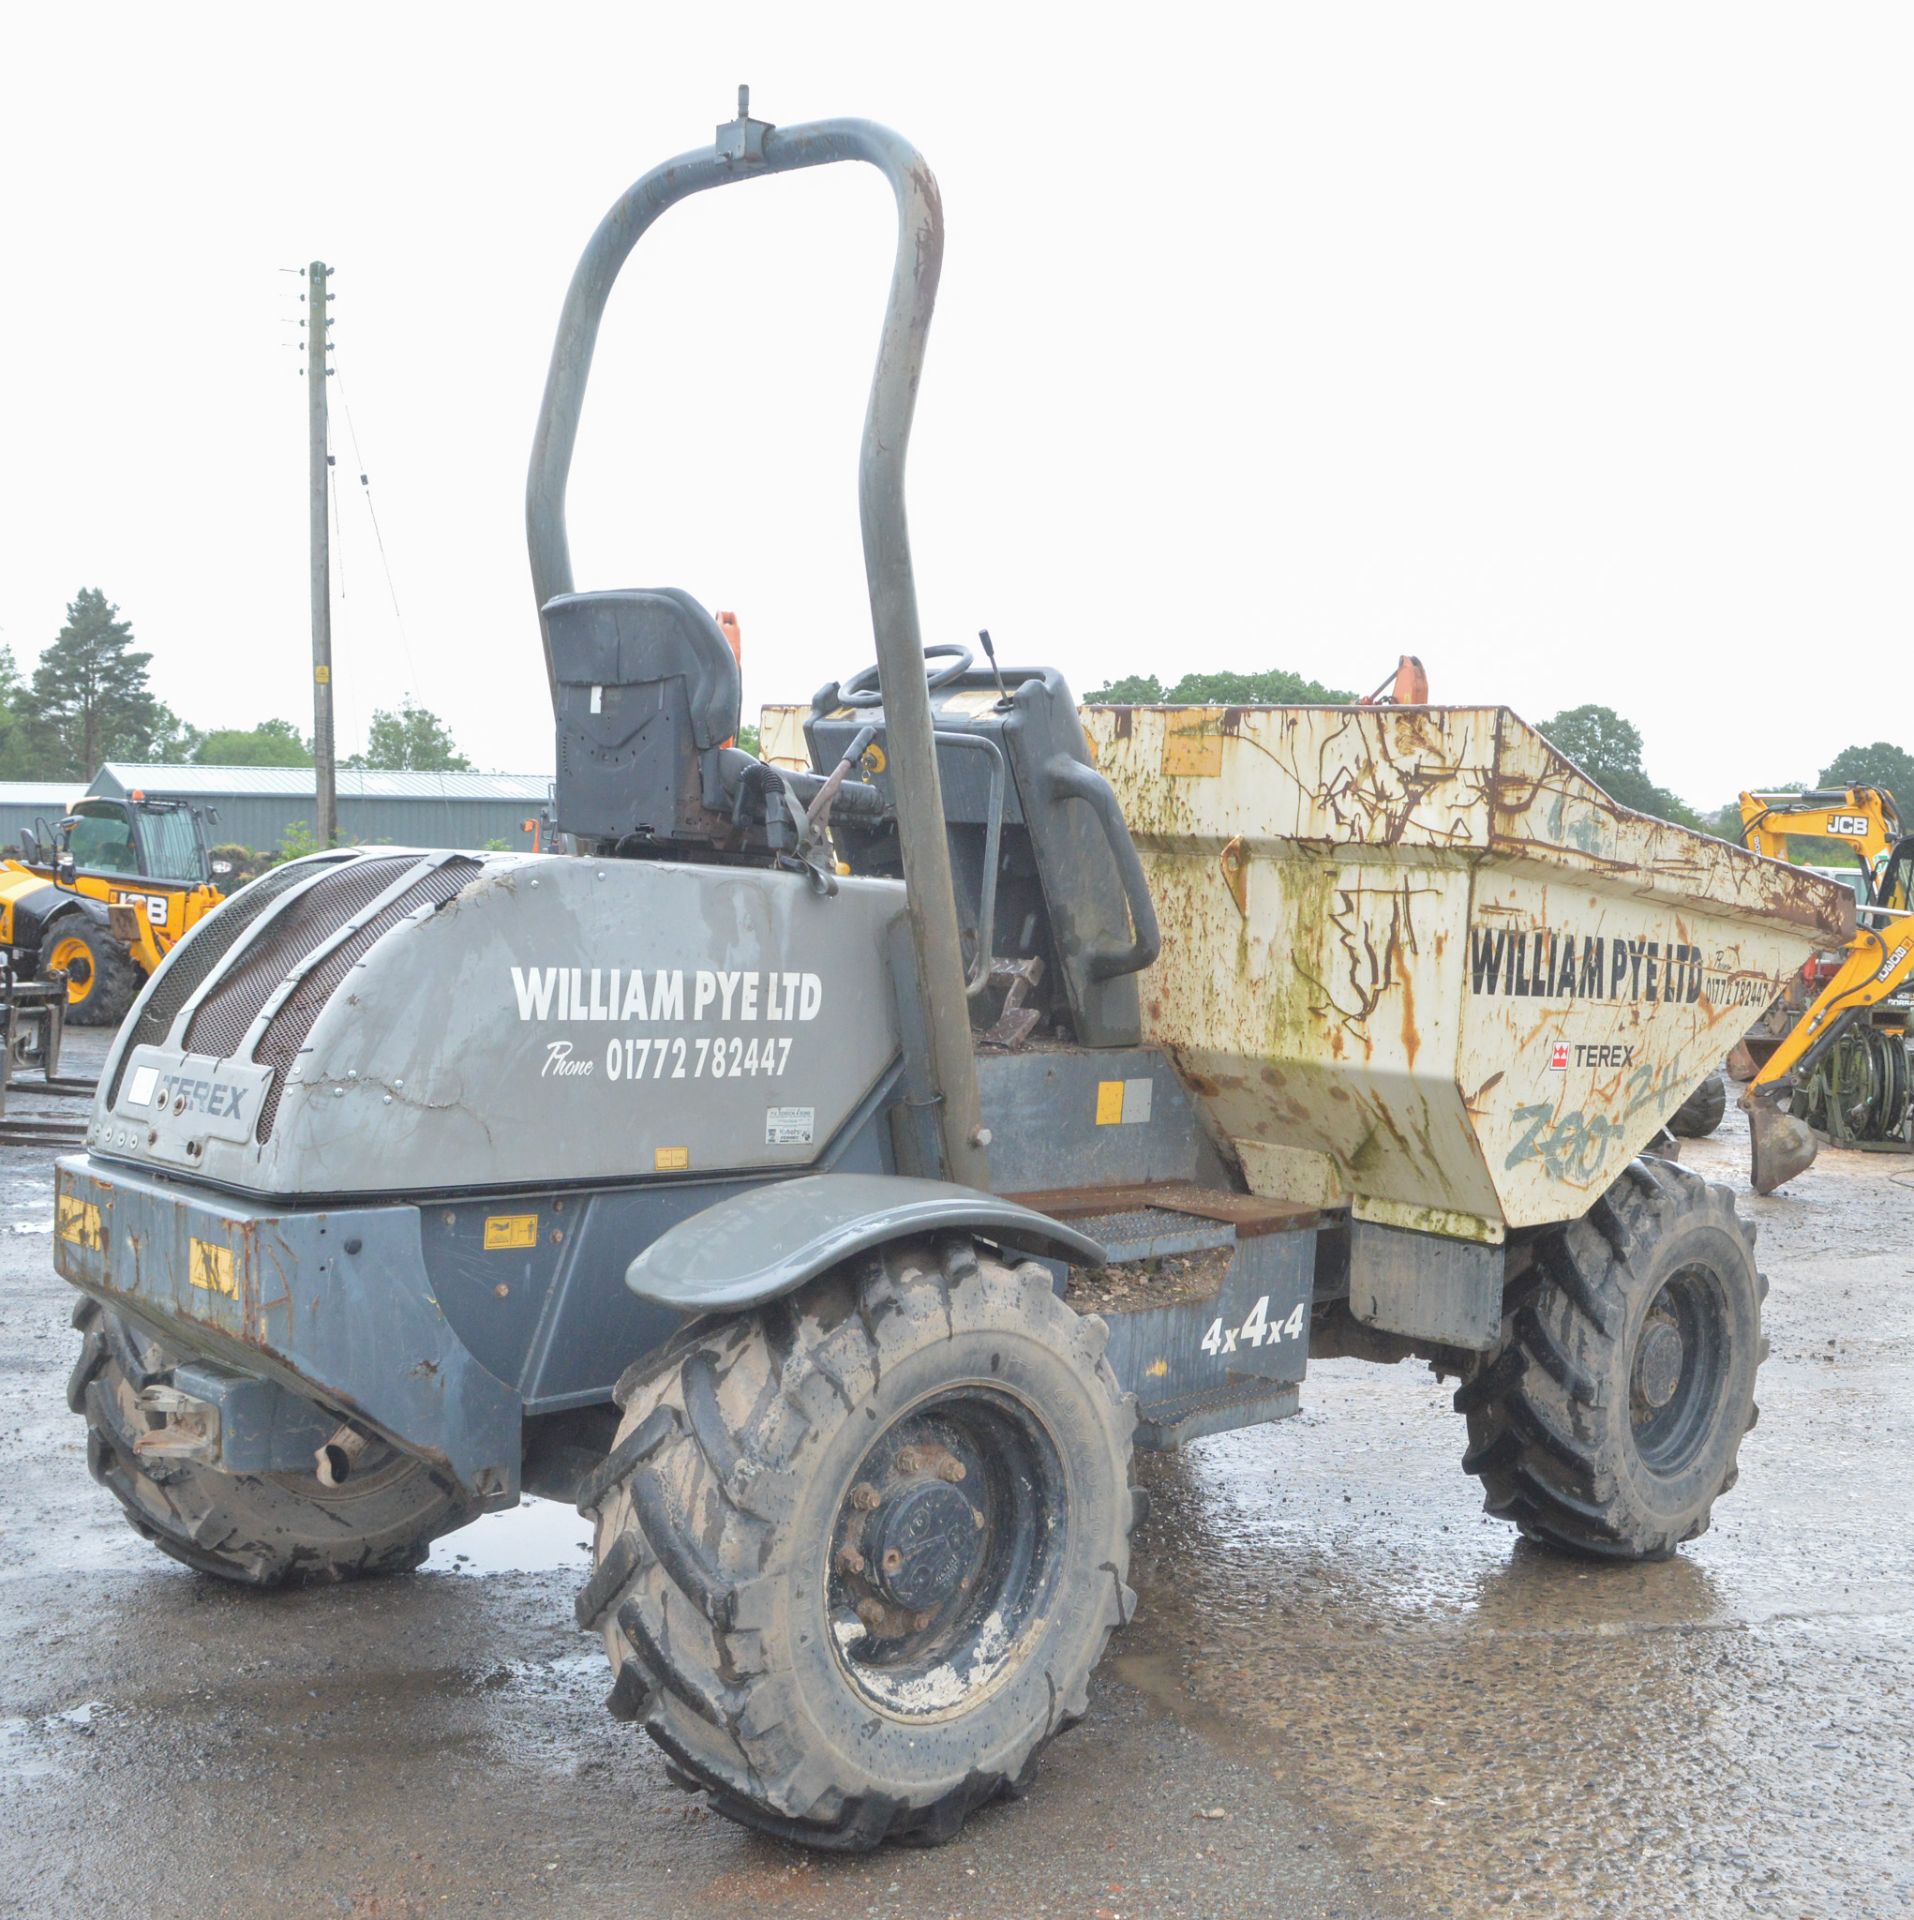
(1417,962)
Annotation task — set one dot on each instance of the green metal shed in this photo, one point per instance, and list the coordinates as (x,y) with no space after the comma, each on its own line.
(258,805)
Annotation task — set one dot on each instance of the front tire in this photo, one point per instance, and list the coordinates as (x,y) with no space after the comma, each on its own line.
(101,980)
(857,1553)
(256,1529)
(1607,1420)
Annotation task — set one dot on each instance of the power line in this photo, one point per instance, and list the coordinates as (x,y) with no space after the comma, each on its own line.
(372,510)
(355,708)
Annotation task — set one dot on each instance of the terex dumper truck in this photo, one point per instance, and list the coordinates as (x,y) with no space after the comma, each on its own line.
(751,1176)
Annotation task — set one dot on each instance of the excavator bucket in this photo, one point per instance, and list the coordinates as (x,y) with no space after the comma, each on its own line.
(1782,1145)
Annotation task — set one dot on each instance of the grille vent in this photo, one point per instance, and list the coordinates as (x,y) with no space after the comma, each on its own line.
(287,1030)
(195,958)
(223,1016)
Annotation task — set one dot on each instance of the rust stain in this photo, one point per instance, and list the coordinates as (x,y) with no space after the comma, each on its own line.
(1411,1035)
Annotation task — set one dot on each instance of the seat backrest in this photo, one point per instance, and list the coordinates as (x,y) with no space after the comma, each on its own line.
(648,691)
(1060,895)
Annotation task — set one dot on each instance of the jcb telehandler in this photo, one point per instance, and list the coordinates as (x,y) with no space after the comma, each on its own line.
(102,897)
(752,1176)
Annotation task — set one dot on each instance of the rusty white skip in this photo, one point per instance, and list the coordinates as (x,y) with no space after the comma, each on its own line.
(1416,961)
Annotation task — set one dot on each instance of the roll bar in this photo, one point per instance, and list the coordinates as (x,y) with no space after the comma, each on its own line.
(746,149)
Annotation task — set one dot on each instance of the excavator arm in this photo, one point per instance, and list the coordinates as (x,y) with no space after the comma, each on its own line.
(1879,962)
(1862,820)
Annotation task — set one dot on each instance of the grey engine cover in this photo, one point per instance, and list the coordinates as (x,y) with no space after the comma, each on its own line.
(531,1020)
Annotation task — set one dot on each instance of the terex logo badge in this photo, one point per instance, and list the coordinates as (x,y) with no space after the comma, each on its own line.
(187,1095)
(1561,1055)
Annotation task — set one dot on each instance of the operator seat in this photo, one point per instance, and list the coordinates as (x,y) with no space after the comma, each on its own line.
(648,693)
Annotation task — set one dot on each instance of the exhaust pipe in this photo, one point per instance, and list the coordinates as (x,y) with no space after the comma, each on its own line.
(334,1461)
(1782,1145)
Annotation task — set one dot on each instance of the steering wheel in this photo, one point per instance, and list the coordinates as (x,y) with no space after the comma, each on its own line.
(861,689)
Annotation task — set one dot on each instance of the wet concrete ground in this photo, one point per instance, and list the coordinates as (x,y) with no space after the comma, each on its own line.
(1398,1710)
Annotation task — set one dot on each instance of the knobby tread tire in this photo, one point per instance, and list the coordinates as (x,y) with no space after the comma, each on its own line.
(258,1530)
(117,980)
(708,1505)
(1550,1431)
(1701,1113)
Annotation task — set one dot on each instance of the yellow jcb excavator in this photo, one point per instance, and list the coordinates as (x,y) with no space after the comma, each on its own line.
(1835,1064)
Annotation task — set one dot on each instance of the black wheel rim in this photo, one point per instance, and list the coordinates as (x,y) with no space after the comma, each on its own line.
(945,1549)
(1679,1371)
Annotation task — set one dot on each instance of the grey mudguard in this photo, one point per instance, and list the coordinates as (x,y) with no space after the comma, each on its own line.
(761,1245)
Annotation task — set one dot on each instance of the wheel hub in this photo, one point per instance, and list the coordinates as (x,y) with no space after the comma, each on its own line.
(944,1547)
(920,1543)
(1658,1363)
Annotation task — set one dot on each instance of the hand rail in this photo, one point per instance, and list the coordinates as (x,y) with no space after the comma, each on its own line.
(747,149)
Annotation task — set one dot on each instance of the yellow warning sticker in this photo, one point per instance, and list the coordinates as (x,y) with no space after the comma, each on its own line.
(210,1266)
(79,1223)
(1109,1103)
(505,1232)
(671,1160)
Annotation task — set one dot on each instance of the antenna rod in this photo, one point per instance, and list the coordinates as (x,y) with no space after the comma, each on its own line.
(317,464)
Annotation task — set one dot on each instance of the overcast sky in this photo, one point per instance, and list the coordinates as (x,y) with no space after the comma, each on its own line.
(1570,348)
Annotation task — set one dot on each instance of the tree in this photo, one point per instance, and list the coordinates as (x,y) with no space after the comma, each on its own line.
(1609,750)
(414,738)
(18,760)
(1133,690)
(171,741)
(89,701)
(1275,687)
(273,743)
(1881,765)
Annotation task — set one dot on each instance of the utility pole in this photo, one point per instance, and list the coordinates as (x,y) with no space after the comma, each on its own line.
(317,299)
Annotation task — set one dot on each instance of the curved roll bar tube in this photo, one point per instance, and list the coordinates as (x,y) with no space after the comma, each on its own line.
(746,149)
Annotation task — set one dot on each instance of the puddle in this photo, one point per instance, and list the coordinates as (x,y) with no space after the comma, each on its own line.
(26,1751)
(536,1536)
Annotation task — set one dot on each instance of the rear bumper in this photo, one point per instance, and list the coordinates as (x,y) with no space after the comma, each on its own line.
(335,1305)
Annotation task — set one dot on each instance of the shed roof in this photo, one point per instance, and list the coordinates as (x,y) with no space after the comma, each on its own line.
(40,793)
(365,783)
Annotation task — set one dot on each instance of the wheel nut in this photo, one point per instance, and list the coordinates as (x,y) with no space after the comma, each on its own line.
(864,1497)
(952,1470)
(906,1461)
(893,1560)
(919,1622)
(871,1613)
(850,1561)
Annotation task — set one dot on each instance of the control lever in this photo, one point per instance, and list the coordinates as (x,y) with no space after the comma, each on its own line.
(990,654)
(817,816)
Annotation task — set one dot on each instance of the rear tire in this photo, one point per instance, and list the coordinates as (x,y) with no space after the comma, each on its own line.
(1606,1421)
(101,980)
(260,1530)
(857,1553)
(1700,1114)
